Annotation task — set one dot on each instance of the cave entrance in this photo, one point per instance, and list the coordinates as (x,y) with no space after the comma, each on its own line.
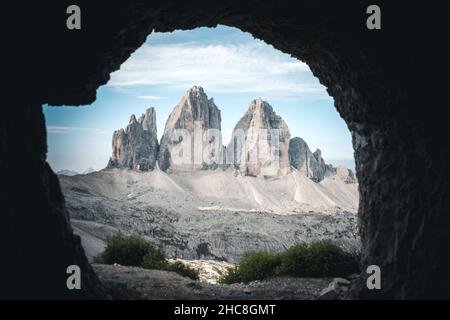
(231,147)
(400,151)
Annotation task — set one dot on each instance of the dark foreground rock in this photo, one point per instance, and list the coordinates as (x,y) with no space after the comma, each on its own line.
(135,283)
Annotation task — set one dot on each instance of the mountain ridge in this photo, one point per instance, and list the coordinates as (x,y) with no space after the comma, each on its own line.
(261,143)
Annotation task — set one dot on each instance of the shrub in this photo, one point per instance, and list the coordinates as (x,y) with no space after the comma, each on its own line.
(232,275)
(182,270)
(136,251)
(258,265)
(317,259)
(293,260)
(125,250)
(98,259)
(154,259)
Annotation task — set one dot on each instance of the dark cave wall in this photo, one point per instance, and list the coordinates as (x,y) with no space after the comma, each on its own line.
(401,152)
(37,244)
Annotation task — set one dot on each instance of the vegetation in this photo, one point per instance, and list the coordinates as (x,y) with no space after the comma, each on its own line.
(232,276)
(317,259)
(125,250)
(203,250)
(183,270)
(137,252)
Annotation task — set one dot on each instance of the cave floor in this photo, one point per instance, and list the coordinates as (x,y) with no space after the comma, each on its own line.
(136,283)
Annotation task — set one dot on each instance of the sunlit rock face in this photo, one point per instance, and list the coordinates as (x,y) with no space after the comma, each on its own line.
(192,137)
(260,142)
(136,147)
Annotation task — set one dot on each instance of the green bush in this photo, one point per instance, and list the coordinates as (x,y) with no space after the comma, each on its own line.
(317,259)
(99,259)
(137,252)
(232,275)
(125,250)
(154,259)
(258,265)
(292,261)
(183,270)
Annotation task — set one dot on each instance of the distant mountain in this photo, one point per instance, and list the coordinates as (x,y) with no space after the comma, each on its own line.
(195,124)
(264,191)
(66,172)
(261,144)
(348,163)
(89,170)
(136,146)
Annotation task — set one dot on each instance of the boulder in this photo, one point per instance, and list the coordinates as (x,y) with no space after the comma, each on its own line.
(335,290)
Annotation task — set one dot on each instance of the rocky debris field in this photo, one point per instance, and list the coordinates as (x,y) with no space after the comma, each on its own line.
(210,215)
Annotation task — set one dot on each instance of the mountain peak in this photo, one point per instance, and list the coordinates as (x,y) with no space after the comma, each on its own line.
(260,105)
(133,119)
(196,90)
(255,153)
(137,146)
(194,110)
(148,120)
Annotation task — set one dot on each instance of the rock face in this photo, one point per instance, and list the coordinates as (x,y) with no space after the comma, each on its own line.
(136,147)
(345,174)
(312,163)
(192,140)
(192,137)
(260,142)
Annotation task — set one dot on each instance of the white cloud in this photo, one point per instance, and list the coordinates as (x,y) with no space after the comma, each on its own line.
(253,67)
(147,97)
(66,130)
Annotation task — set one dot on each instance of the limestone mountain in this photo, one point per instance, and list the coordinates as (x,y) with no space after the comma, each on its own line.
(205,201)
(260,142)
(260,145)
(192,138)
(313,165)
(136,147)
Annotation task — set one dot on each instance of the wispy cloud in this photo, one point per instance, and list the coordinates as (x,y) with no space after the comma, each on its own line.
(67,130)
(147,97)
(249,66)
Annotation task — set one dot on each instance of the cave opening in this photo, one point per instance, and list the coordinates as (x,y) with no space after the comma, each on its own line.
(227,171)
(401,152)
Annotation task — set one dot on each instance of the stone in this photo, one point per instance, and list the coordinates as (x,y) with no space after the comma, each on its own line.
(335,290)
(136,147)
(192,138)
(260,142)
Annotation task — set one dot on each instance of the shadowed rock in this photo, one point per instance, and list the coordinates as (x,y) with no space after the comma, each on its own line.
(136,147)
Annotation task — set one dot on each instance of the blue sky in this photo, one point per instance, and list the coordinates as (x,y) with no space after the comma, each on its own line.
(232,67)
